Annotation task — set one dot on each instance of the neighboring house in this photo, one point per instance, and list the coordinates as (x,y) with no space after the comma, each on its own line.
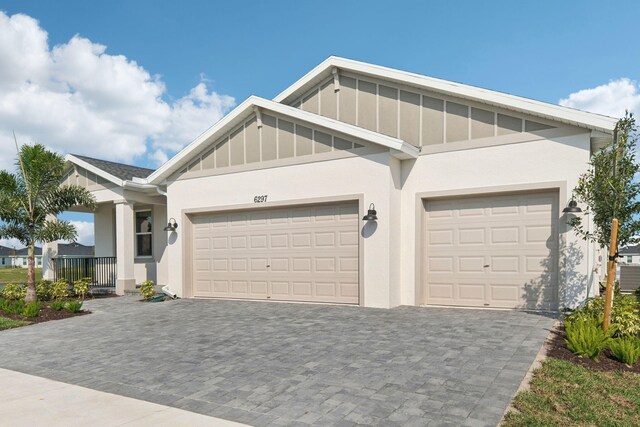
(19,259)
(629,254)
(5,256)
(74,250)
(468,186)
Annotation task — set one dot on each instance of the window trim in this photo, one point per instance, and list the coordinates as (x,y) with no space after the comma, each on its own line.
(136,234)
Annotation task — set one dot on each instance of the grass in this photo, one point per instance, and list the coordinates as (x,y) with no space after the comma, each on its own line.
(563,393)
(10,323)
(17,275)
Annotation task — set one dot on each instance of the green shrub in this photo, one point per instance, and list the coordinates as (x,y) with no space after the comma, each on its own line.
(625,349)
(31,309)
(73,306)
(14,291)
(12,306)
(585,337)
(57,305)
(43,290)
(625,315)
(147,289)
(81,287)
(59,289)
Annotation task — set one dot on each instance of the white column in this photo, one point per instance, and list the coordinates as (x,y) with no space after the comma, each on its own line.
(49,252)
(124,247)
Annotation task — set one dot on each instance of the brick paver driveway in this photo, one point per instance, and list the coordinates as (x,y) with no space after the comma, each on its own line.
(291,364)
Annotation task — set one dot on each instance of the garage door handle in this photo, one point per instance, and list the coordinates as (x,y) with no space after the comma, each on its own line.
(486,265)
(268,265)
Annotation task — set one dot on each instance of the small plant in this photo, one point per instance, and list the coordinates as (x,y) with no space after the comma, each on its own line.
(43,290)
(625,315)
(57,305)
(147,289)
(14,291)
(73,306)
(585,337)
(12,306)
(625,349)
(59,289)
(81,287)
(31,309)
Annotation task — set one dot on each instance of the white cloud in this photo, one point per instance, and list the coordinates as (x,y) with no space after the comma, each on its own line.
(611,99)
(75,97)
(84,231)
(11,243)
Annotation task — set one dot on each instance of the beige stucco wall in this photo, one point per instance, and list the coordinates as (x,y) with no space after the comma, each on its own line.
(369,178)
(528,165)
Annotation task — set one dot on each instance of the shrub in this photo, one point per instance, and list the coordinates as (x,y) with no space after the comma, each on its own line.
(625,315)
(60,289)
(625,349)
(31,309)
(14,291)
(73,306)
(57,305)
(147,289)
(585,337)
(81,287)
(12,306)
(43,290)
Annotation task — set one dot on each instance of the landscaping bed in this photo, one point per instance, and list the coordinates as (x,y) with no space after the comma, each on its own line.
(46,314)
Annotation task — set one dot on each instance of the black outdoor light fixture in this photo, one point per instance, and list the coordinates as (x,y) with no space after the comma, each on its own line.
(371,214)
(572,208)
(171,225)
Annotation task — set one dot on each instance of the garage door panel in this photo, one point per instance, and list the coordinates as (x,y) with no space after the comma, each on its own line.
(300,254)
(497,251)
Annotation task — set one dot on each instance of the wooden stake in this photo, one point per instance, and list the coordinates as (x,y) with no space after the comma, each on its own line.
(611,274)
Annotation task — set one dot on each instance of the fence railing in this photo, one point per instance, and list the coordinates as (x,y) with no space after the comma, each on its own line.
(101,270)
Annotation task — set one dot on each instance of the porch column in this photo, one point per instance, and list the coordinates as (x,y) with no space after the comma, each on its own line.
(49,252)
(124,247)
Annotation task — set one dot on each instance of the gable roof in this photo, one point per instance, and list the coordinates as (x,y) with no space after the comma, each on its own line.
(524,105)
(119,170)
(630,250)
(398,147)
(24,251)
(5,251)
(74,249)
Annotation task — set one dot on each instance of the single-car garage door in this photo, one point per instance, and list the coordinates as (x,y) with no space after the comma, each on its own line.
(307,253)
(492,251)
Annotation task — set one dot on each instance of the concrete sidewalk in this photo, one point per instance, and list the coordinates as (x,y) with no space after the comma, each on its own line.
(26,400)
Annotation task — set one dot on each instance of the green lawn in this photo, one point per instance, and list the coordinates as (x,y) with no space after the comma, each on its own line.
(563,393)
(10,323)
(17,275)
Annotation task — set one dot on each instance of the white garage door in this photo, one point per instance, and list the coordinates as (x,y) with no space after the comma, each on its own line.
(492,251)
(305,253)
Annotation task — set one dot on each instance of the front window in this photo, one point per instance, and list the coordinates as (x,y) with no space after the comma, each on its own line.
(629,259)
(143,234)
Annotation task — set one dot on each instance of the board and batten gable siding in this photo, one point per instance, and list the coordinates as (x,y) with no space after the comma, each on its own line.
(84,178)
(250,146)
(416,116)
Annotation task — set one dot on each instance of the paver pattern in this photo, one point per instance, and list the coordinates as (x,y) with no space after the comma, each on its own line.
(273,364)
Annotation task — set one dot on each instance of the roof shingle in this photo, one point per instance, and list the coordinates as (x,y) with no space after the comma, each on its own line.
(119,170)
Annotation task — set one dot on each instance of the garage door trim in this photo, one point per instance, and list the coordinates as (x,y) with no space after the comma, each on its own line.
(420,199)
(187,233)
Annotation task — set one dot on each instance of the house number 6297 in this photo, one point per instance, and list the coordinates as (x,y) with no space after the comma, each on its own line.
(260,199)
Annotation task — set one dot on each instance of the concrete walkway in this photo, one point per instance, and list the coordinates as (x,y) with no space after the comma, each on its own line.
(30,401)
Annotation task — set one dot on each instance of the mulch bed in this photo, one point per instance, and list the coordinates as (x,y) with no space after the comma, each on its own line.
(556,347)
(46,314)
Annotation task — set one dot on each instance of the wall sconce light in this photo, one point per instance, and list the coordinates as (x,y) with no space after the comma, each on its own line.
(572,208)
(371,214)
(171,225)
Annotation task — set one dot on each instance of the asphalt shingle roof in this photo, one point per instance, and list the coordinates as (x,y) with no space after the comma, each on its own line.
(24,252)
(630,250)
(119,170)
(74,249)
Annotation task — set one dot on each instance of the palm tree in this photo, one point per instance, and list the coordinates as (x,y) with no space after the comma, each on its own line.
(31,196)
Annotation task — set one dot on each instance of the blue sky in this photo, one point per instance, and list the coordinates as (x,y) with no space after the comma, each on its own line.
(185,64)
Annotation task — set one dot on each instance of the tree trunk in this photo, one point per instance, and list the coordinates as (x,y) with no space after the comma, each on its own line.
(31,273)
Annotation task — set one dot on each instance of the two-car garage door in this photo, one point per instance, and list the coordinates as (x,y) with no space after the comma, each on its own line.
(307,253)
(492,251)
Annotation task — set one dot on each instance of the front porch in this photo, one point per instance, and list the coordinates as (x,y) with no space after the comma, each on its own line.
(130,244)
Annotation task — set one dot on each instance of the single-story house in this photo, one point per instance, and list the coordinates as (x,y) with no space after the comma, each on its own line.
(364,185)
(19,258)
(5,256)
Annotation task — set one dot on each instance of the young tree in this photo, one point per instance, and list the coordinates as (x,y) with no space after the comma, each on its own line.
(609,189)
(32,194)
